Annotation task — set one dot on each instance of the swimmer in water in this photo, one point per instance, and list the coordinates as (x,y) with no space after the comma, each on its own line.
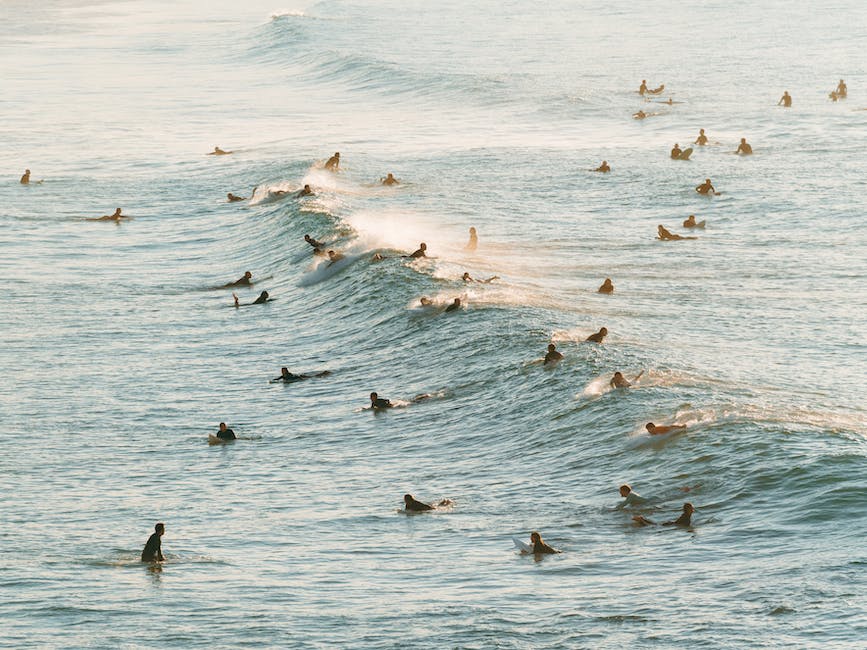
(676,152)
(473,244)
(744,148)
(334,257)
(684,521)
(630,497)
(288,377)
(785,100)
(389,180)
(540,547)
(422,247)
(333,163)
(225,433)
(231,198)
(642,89)
(117,216)
(466,278)
(706,188)
(665,235)
(245,281)
(690,222)
(597,338)
(455,305)
(659,430)
(304,191)
(604,168)
(701,140)
(378,403)
(552,356)
(313,242)
(607,287)
(619,381)
(219,152)
(842,91)
(152,551)
(426,302)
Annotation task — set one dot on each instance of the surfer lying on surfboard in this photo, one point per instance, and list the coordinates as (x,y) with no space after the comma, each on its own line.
(411,504)
(684,520)
(261,300)
(286,376)
(665,235)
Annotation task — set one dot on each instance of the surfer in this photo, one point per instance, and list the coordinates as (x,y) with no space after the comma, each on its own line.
(422,247)
(540,547)
(389,180)
(604,168)
(690,222)
(552,355)
(455,305)
(662,429)
(241,282)
(833,96)
(378,403)
(640,115)
(334,257)
(466,278)
(315,244)
(261,300)
(744,148)
(225,433)
(426,302)
(333,163)
(219,152)
(473,244)
(676,152)
(411,504)
(619,381)
(706,188)
(630,497)
(25,178)
(287,377)
(685,519)
(643,87)
(701,139)
(785,100)
(842,91)
(152,551)
(232,198)
(666,235)
(597,338)
(117,216)
(305,191)
(607,287)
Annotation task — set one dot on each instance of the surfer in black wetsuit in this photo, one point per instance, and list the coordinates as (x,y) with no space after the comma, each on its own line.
(540,547)
(152,551)
(333,163)
(315,244)
(455,305)
(305,191)
(684,521)
(607,287)
(378,403)
(676,152)
(245,281)
(288,377)
(422,247)
(597,338)
(744,148)
(411,504)
(552,356)
(225,433)
(261,300)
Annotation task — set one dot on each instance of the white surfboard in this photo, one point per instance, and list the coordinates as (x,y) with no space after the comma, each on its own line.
(522,546)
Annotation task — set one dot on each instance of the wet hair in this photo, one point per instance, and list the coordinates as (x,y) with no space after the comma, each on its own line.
(422,246)
(626,488)
(264,295)
(603,330)
(160,527)
(649,426)
(374,395)
(689,506)
(551,347)
(535,536)
(247,274)
(222,424)
(407,498)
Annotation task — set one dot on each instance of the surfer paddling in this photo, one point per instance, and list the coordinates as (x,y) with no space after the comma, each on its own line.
(662,429)
(552,356)
(152,551)
(420,252)
(245,281)
(411,504)
(684,521)
(231,198)
(288,377)
(117,216)
(619,381)
(378,403)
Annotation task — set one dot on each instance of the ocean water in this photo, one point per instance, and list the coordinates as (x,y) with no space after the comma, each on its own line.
(119,357)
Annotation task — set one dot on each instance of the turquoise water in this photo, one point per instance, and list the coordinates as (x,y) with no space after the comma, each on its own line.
(119,359)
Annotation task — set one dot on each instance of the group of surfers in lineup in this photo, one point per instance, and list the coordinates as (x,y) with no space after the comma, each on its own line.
(152,551)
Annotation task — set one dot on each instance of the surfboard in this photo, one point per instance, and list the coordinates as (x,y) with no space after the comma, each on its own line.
(685,154)
(214,440)
(522,546)
(656,91)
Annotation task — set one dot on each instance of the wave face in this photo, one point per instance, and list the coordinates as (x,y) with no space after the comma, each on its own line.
(120,354)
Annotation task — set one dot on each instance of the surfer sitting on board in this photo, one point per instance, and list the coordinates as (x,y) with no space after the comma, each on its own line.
(225,433)
(411,504)
(619,381)
(684,520)
(25,178)
(597,338)
(744,148)
(552,356)
(378,403)
(607,287)
(658,430)
(152,551)
(389,180)
(690,222)
(701,140)
(676,152)
(785,100)
(422,247)
(706,188)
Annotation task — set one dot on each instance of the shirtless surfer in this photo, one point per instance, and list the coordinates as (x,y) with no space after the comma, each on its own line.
(244,281)
(389,180)
(744,148)
(607,287)
(619,381)
(706,188)
(219,152)
(333,163)
(552,356)
(604,167)
(422,247)
(598,337)
(785,100)
(701,140)
(662,429)
(690,222)
(117,216)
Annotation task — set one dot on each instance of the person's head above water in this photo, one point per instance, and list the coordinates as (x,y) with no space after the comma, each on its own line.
(625,490)
(422,246)
(222,426)
(650,426)
(160,528)
(408,498)
(306,188)
(263,296)
(688,508)
(425,301)
(457,302)
(284,372)
(466,276)
(373,397)
(248,275)
(691,218)
(535,537)
(618,375)
(603,331)
(551,347)
(472,230)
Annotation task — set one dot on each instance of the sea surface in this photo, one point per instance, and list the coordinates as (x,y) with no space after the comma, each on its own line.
(119,356)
